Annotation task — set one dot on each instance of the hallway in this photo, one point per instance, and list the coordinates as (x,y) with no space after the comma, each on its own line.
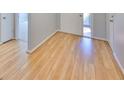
(64,56)
(22,33)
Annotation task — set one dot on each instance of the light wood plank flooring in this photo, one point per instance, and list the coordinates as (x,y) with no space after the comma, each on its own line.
(64,56)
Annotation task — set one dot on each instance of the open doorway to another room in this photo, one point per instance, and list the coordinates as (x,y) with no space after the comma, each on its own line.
(22,29)
(87,24)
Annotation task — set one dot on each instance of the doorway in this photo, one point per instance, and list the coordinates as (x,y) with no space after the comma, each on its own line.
(21,33)
(87,24)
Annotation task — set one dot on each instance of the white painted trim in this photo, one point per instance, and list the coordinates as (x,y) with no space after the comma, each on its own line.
(117,60)
(70,33)
(98,38)
(31,51)
(92,37)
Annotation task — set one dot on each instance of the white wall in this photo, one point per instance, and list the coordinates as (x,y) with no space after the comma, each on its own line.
(6,27)
(99,26)
(41,25)
(72,23)
(119,38)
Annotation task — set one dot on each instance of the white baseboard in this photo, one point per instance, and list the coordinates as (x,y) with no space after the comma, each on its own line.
(117,60)
(69,33)
(98,38)
(31,51)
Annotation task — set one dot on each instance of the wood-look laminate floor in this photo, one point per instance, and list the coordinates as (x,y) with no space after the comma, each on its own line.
(64,56)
